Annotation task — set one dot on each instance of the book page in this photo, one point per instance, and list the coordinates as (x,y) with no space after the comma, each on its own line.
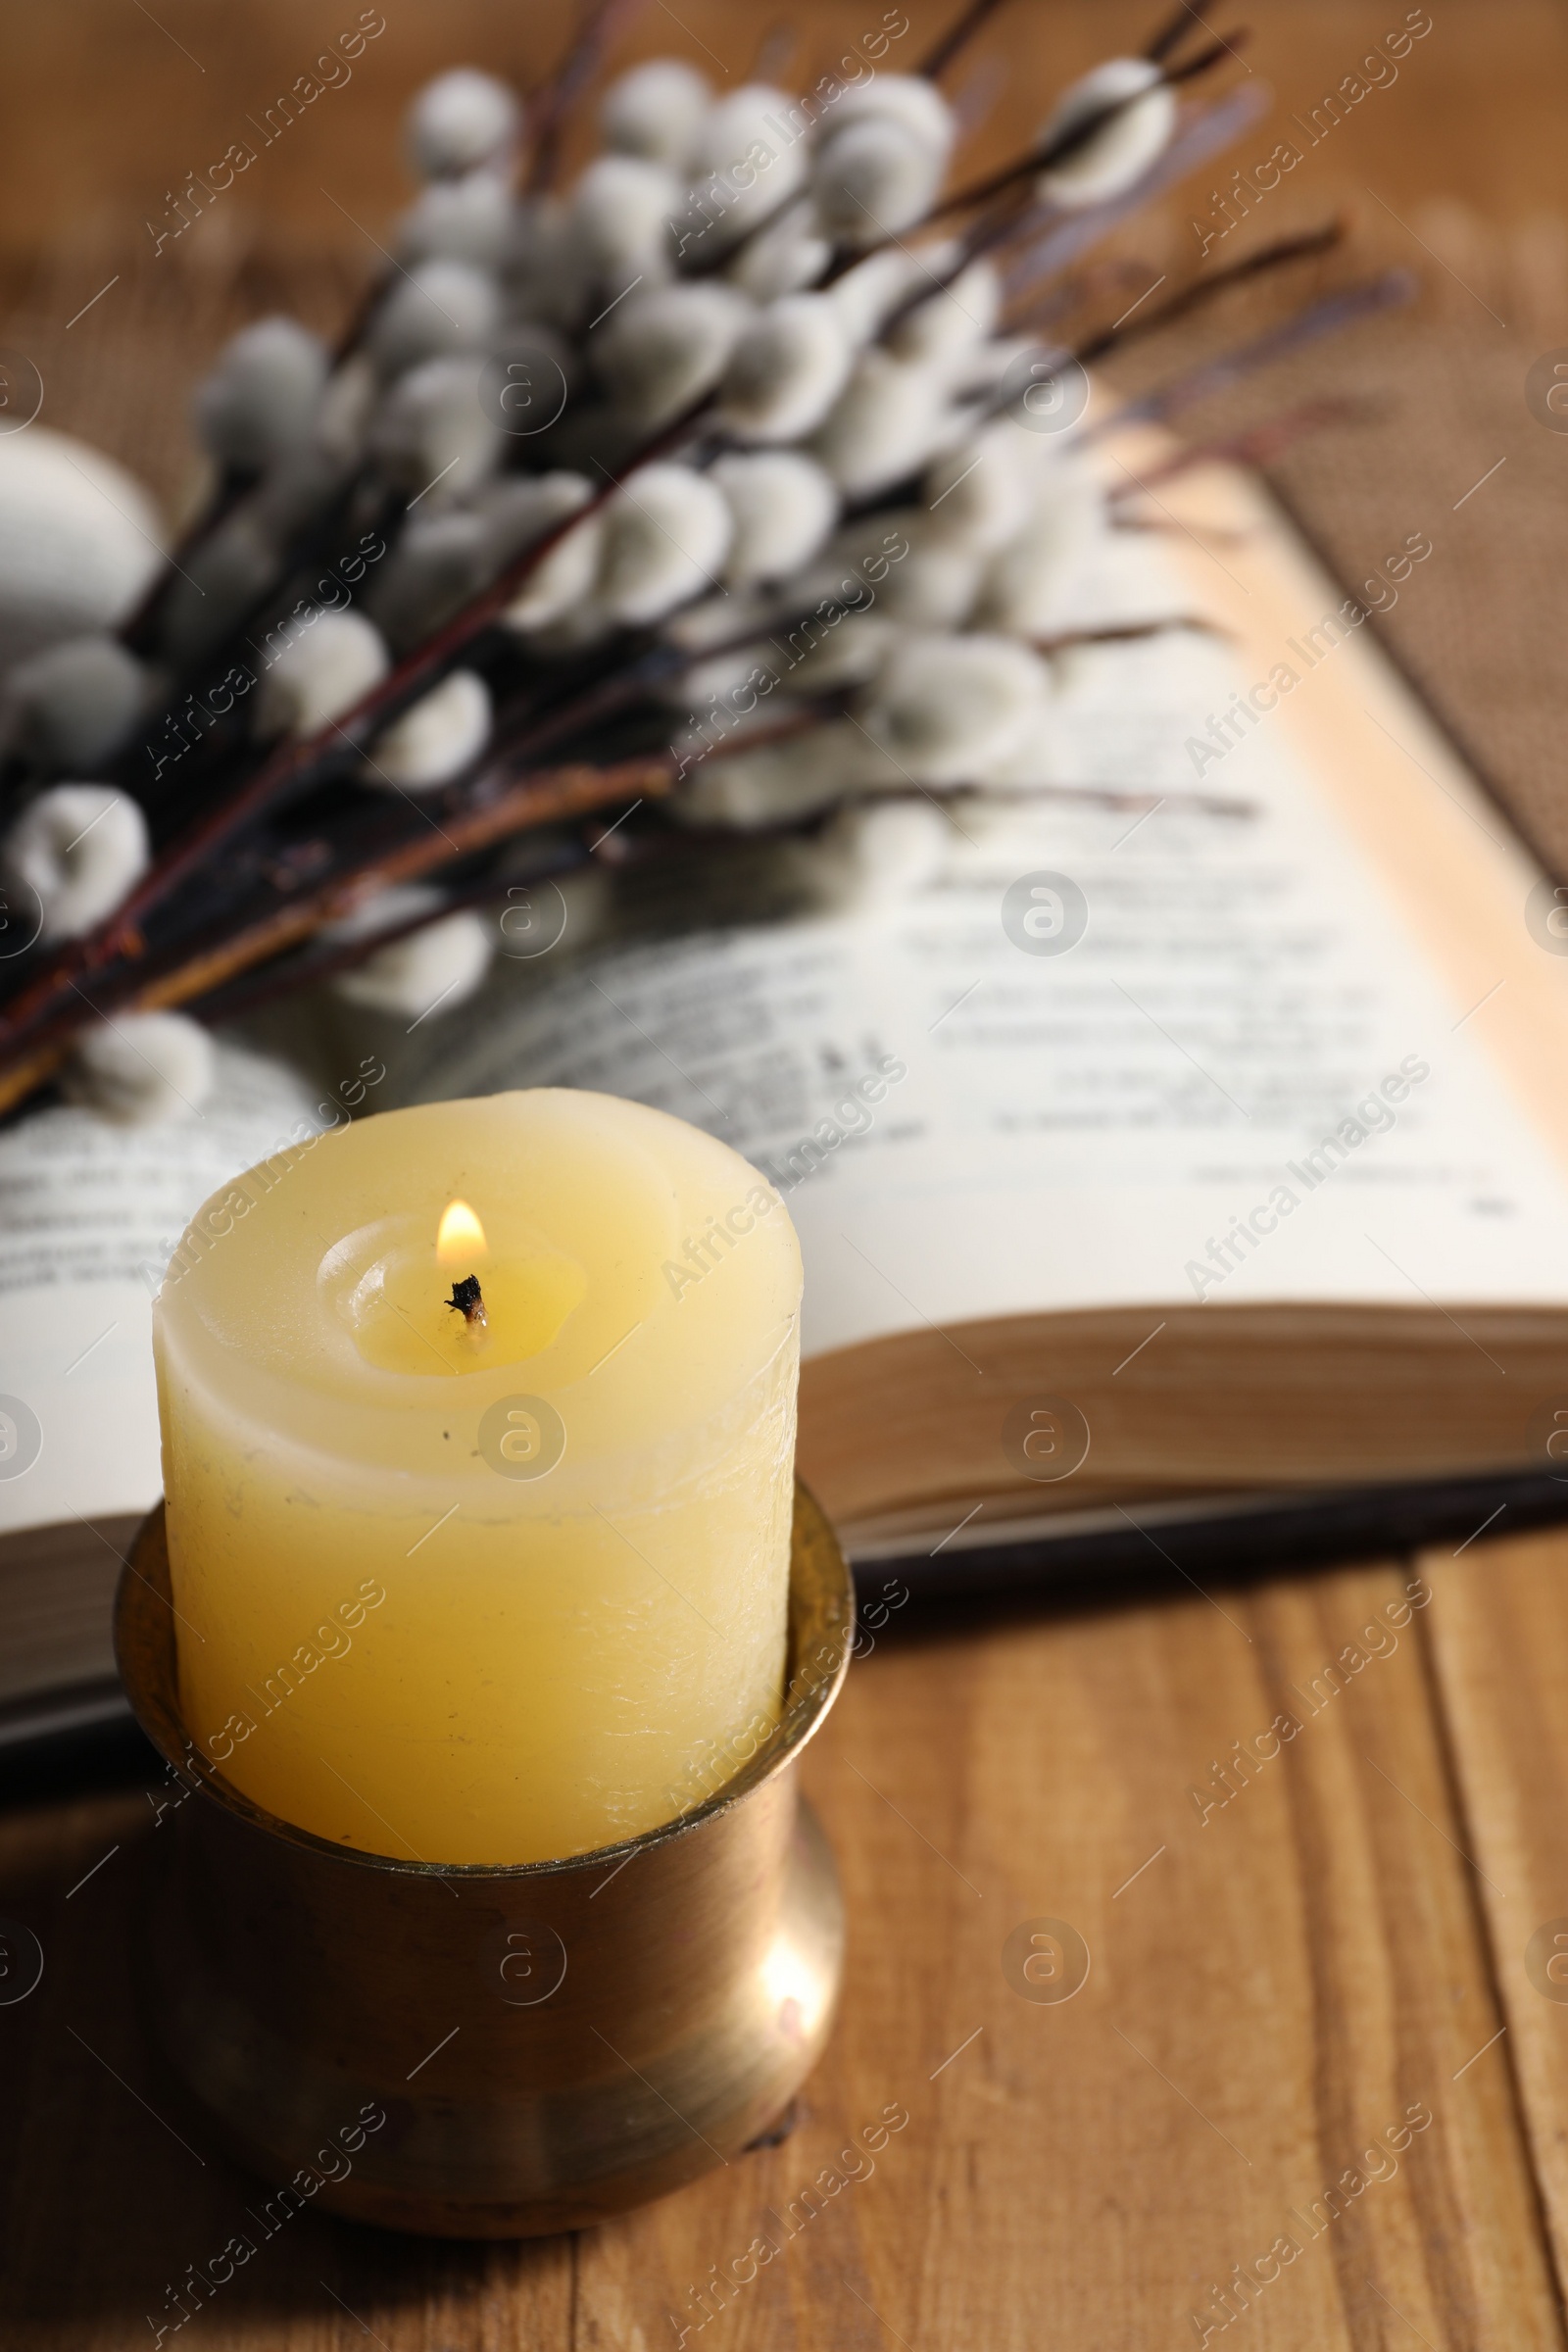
(89,1216)
(1112,1055)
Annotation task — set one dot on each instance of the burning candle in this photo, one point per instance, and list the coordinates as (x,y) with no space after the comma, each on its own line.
(478,1434)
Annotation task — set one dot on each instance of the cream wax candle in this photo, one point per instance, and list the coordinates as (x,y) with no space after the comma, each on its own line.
(478,1437)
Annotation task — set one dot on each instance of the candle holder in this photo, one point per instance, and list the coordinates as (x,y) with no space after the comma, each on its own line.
(547,2043)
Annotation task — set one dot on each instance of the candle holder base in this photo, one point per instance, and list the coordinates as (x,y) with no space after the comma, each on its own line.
(494,2052)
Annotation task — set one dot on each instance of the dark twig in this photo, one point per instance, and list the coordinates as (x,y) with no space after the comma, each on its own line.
(195,968)
(1070,141)
(295,765)
(958,37)
(550,108)
(1207,131)
(1329,315)
(692,845)
(1258,445)
(1171,34)
(1066,235)
(1180,305)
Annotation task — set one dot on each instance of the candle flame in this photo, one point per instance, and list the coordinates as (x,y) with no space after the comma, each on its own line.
(459,1236)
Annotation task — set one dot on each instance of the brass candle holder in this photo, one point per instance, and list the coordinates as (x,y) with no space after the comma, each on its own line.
(545,2043)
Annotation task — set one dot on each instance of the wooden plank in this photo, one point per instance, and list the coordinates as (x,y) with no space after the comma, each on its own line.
(1274,1982)
(121,108)
(113,2195)
(1273,1985)
(1500,1633)
(1269,1988)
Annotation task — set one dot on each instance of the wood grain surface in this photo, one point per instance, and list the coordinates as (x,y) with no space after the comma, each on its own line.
(1501,1664)
(1313,2088)
(1284,2061)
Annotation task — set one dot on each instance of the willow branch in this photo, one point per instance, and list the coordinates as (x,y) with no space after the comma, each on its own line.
(1207,131)
(1258,445)
(1309,246)
(1069,234)
(551,106)
(1073,139)
(959,33)
(1331,314)
(294,767)
(691,844)
(1177,28)
(541,797)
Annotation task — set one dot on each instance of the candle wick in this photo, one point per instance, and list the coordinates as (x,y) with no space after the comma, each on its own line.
(467,1301)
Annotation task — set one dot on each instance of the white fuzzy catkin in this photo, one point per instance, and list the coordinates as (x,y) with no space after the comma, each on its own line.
(867,859)
(935,585)
(532,371)
(439,306)
(140,1068)
(748,157)
(380,911)
(888,422)
(852,654)
(666,533)
(261,397)
(520,509)
(916,105)
(828,414)
(867,294)
(329,668)
(434,740)
(77,849)
(654,111)
(785,257)
(729,681)
(459,122)
(981,491)
(1027,582)
(428,973)
(783,507)
(718,728)
(577,631)
(443,558)
(544,284)
(561,582)
(437,564)
(430,433)
(946,709)
(783,781)
(661,349)
(540,915)
(347,405)
(953,323)
(219,582)
(295,489)
(619,213)
(979,373)
(1126,144)
(79,541)
(786,370)
(74,706)
(469,219)
(872,179)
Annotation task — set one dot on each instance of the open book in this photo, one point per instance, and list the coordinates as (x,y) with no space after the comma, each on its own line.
(1153,1166)
(1147,1164)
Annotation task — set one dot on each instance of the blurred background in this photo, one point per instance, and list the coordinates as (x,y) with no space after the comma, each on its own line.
(114,114)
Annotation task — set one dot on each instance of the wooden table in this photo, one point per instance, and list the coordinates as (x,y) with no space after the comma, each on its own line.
(1313,2087)
(1324,2015)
